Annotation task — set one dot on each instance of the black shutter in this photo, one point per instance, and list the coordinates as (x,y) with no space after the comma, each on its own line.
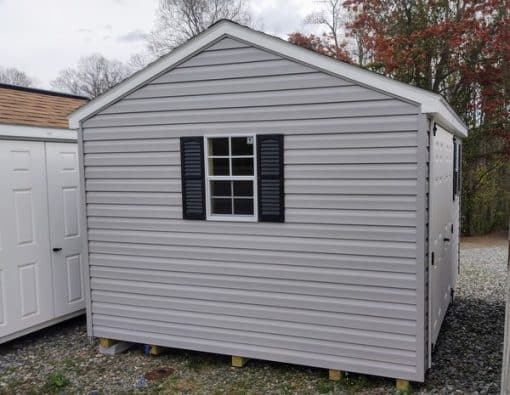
(455,169)
(192,174)
(270,178)
(459,169)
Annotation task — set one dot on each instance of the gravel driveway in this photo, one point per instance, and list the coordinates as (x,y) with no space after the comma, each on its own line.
(467,360)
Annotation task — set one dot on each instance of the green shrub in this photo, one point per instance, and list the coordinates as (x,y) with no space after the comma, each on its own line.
(56,381)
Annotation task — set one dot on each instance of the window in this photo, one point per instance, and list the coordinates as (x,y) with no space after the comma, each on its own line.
(230,178)
(233,178)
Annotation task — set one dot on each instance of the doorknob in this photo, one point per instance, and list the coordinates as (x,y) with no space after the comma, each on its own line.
(57,249)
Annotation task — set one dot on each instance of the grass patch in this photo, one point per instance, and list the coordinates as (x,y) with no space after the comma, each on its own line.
(56,381)
(198,362)
(325,386)
(178,385)
(353,384)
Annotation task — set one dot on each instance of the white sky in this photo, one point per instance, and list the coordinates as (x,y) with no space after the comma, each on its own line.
(41,37)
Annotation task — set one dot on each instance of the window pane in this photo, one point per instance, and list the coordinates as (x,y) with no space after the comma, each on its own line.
(243,188)
(221,188)
(218,146)
(221,206)
(242,166)
(218,167)
(242,146)
(243,206)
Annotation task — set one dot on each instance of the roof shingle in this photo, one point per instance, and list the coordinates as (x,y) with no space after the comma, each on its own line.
(27,106)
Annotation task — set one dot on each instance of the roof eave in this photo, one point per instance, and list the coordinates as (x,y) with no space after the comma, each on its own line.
(139,78)
(443,114)
(431,103)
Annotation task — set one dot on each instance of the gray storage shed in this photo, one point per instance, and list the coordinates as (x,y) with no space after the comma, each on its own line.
(246,196)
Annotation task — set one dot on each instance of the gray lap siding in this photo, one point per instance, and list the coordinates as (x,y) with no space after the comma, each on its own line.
(335,286)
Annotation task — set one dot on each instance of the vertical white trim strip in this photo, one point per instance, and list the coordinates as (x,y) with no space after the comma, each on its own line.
(84,236)
(421,194)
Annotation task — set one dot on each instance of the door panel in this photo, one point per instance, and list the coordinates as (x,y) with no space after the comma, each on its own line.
(26,291)
(440,229)
(64,198)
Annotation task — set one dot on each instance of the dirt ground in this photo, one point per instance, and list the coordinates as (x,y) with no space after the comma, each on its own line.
(495,239)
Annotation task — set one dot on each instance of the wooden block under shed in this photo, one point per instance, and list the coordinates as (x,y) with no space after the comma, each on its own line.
(156,350)
(335,375)
(403,386)
(105,342)
(239,362)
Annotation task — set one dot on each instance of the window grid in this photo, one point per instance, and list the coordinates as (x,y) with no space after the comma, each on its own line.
(230,177)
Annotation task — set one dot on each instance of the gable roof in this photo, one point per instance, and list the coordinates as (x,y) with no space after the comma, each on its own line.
(36,107)
(431,103)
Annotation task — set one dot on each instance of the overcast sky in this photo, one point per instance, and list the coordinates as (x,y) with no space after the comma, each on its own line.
(41,37)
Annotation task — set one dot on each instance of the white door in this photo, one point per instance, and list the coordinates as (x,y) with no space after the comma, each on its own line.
(64,195)
(26,291)
(440,229)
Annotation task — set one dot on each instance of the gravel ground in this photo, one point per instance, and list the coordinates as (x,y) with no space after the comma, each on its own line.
(470,346)
(467,360)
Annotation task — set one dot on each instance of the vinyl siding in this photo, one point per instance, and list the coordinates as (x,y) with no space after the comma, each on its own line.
(335,286)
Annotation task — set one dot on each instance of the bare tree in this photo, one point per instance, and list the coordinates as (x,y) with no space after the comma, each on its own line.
(330,14)
(140,60)
(335,17)
(14,76)
(180,20)
(93,75)
(357,41)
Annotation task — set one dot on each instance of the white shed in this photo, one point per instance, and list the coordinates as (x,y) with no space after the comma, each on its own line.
(246,196)
(40,265)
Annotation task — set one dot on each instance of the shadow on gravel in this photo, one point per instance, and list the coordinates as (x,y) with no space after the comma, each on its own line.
(62,329)
(468,355)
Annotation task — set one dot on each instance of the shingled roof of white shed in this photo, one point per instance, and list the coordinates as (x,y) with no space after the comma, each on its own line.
(431,103)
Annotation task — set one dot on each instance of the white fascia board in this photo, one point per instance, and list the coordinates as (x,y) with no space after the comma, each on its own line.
(442,113)
(11,131)
(430,102)
(148,73)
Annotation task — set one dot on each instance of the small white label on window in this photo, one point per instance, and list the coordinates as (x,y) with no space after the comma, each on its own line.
(249,140)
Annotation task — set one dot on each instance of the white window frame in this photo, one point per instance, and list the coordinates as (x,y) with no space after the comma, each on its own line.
(208,178)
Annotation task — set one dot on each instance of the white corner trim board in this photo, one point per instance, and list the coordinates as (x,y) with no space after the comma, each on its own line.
(431,103)
(26,132)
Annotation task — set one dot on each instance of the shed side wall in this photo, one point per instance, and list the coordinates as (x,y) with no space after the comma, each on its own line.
(334,286)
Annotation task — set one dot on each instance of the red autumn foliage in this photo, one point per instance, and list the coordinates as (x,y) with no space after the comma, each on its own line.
(322,44)
(460,49)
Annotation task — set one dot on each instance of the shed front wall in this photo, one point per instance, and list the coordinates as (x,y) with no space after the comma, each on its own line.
(335,286)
